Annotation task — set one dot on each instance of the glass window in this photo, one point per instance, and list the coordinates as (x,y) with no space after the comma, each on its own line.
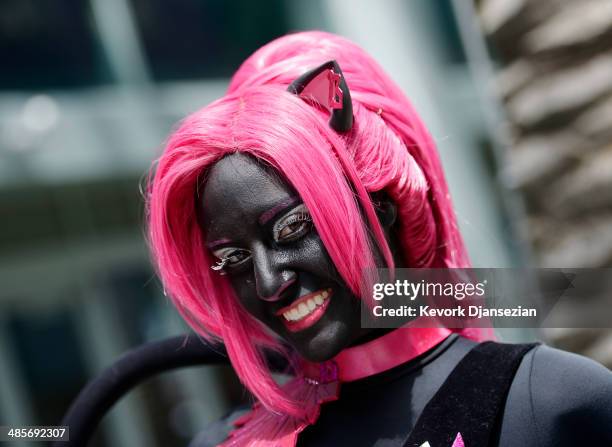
(197,39)
(49,45)
(49,355)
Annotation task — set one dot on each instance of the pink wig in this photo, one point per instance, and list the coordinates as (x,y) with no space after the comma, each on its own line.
(388,149)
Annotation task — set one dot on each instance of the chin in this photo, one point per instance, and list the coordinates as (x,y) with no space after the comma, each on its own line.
(325,344)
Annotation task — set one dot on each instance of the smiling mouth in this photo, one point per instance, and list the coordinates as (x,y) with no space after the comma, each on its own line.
(306,311)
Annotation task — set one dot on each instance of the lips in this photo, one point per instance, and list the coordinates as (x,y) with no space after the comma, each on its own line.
(305,311)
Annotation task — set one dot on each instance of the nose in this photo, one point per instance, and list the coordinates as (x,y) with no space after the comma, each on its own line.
(272,275)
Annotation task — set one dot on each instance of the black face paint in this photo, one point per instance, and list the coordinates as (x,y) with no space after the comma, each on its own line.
(275,260)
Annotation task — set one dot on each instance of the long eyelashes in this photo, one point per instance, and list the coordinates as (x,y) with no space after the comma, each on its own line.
(219,265)
(289,228)
(293,226)
(229,256)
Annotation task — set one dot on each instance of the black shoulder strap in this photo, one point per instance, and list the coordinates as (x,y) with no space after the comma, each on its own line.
(472,398)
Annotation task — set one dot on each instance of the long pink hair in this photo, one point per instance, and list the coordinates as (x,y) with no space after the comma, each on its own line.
(387,149)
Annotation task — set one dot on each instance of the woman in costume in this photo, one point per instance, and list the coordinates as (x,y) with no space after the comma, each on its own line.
(265,209)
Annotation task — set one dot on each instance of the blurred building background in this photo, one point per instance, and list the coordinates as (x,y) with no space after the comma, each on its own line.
(89,89)
(553,74)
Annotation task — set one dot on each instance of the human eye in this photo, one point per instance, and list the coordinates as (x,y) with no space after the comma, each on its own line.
(293,225)
(230,257)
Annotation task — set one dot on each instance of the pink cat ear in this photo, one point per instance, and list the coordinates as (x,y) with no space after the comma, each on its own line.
(326,86)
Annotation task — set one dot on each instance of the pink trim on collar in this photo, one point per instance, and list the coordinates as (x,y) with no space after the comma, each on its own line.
(387,352)
(381,354)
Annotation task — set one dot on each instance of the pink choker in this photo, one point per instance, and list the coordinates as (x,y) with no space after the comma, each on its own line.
(379,355)
(320,383)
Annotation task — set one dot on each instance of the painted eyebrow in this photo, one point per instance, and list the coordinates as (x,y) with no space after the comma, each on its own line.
(218,242)
(266,216)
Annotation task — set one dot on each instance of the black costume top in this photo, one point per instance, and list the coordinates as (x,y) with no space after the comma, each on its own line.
(554,399)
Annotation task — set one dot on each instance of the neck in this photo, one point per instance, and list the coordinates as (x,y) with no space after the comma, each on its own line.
(369,335)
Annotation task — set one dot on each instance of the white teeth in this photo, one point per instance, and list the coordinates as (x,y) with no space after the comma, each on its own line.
(300,311)
(303,310)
